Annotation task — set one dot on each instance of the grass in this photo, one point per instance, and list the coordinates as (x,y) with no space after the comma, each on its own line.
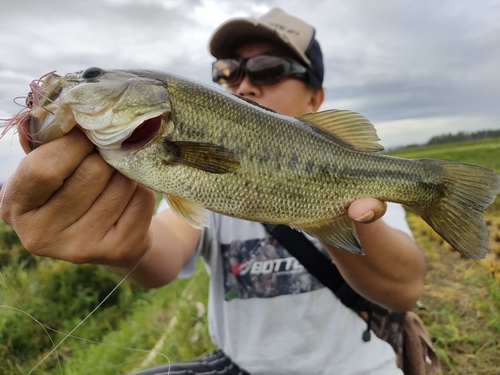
(462,295)
(115,339)
(462,299)
(485,152)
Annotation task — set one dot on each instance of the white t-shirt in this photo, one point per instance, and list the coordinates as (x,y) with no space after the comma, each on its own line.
(272,317)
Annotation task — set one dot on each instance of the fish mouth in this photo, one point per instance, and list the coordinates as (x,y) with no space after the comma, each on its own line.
(142,135)
(57,104)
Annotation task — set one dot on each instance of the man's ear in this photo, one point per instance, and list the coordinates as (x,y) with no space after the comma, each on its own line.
(316,99)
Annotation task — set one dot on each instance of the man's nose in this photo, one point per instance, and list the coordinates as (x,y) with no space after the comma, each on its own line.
(248,88)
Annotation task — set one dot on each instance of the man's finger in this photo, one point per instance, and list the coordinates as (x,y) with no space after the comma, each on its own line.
(366,210)
(44,170)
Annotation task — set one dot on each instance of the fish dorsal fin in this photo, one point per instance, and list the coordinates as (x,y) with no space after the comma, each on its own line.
(350,127)
(191,212)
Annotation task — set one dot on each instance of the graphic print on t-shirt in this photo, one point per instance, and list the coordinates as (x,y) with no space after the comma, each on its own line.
(263,268)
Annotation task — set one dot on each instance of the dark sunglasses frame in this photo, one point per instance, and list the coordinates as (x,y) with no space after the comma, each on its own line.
(239,70)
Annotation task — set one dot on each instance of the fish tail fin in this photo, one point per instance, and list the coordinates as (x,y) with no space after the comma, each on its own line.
(457,217)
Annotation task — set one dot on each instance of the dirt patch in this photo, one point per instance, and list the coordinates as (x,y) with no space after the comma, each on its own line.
(456,300)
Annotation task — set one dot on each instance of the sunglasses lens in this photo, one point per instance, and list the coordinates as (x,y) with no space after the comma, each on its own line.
(226,71)
(261,69)
(266,69)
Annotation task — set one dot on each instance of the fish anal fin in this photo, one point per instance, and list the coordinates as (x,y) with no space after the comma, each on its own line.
(350,127)
(340,233)
(208,157)
(191,212)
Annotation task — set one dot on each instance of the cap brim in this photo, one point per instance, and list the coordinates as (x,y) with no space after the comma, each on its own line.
(238,30)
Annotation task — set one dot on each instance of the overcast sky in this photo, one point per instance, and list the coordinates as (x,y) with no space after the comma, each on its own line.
(414,68)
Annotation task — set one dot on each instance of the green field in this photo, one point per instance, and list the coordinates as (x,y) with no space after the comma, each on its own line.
(485,152)
(463,301)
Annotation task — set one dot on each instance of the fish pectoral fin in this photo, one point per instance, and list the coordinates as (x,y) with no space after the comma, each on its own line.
(191,212)
(350,127)
(340,233)
(208,157)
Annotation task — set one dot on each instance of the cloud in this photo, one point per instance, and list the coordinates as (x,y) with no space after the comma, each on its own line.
(397,133)
(396,63)
(401,63)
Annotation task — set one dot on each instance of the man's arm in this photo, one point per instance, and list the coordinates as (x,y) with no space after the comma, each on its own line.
(173,242)
(391,273)
(66,203)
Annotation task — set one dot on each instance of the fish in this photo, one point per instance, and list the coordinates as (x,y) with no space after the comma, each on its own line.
(206,149)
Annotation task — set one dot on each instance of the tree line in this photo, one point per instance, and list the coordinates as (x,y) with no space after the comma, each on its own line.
(463,136)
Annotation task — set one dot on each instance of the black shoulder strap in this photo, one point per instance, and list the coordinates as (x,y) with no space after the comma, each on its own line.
(327,273)
(321,267)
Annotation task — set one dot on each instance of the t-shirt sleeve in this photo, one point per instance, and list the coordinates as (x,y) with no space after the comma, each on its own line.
(395,217)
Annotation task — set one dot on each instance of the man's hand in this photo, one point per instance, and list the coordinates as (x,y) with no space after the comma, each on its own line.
(65,202)
(391,271)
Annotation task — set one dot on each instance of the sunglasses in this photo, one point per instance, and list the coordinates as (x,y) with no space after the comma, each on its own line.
(260,69)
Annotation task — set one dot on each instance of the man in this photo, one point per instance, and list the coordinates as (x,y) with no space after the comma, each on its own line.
(281,321)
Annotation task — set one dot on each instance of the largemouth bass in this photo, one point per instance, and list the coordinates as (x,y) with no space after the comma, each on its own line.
(205,149)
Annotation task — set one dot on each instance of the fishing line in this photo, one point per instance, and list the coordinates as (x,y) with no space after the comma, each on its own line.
(47,328)
(14,100)
(4,189)
(20,309)
(88,316)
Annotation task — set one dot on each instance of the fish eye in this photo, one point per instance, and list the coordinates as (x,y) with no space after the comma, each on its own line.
(92,73)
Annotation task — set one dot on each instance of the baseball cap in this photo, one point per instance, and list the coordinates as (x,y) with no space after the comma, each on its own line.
(276,26)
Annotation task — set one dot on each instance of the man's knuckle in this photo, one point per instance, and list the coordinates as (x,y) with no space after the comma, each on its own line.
(42,174)
(35,245)
(93,169)
(5,214)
